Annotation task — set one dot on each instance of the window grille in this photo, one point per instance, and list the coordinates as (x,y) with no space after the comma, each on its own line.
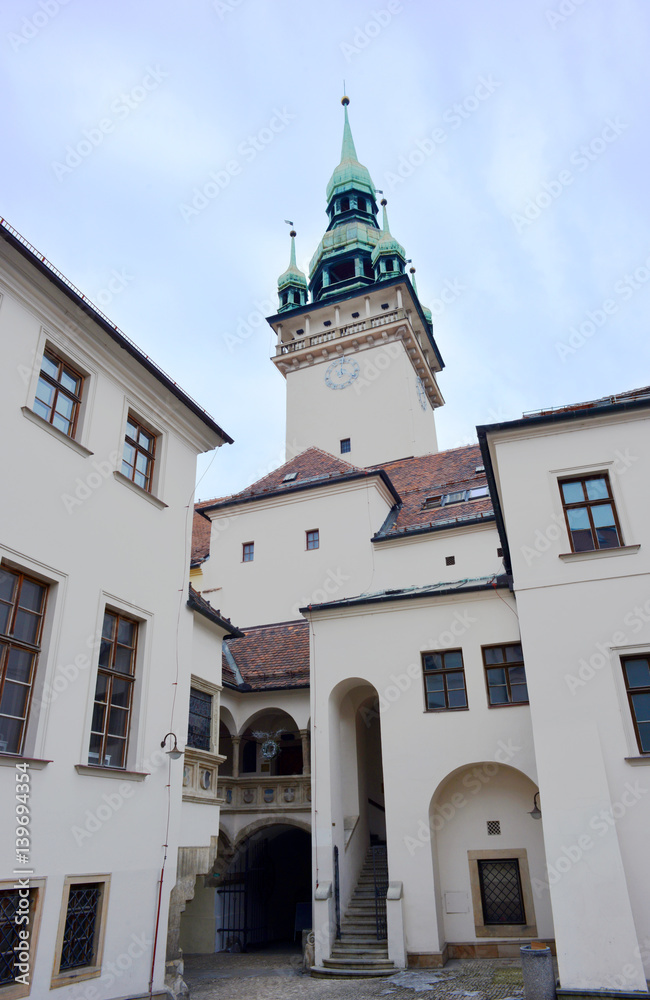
(501,892)
(79,937)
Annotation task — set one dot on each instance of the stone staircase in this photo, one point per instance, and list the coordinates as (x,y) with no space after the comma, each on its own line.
(359,953)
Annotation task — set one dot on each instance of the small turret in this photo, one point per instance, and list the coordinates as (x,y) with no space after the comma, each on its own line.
(292,284)
(388,257)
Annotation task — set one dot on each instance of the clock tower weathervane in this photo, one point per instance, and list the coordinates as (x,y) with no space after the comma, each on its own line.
(356,326)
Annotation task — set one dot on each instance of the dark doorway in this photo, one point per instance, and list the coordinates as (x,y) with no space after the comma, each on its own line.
(264,890)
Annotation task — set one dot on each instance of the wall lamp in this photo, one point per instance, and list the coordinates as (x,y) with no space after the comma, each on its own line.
(536,812)
(174,753)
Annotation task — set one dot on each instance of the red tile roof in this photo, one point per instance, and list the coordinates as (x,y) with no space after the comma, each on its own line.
(310,466)
(416,479)
(201,528)
(271,656)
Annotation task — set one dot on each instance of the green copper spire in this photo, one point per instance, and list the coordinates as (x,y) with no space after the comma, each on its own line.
(292,283)
(388,249)
(348,152)
(350,174)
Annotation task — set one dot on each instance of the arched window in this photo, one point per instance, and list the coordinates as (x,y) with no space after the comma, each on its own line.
(249,756)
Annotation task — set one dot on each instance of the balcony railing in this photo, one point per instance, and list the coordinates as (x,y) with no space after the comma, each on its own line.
(353,329)
(256,793)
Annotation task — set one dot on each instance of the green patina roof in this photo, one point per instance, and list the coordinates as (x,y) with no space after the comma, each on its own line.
(293,275)
(350,174)
(354,235)
(427,312)
(387,243)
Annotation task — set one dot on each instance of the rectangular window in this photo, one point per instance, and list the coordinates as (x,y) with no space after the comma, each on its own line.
(199,730)
(444,680)
(58,393)
(505,674)
(139,454)
(313,540)
(345,446)
(22,608)
(248,551)
(590,513)
(636,670)
(13,907)
(114,691)
(501,893)
(82,922)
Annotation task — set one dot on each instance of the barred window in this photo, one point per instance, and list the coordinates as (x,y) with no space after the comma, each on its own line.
(114,691)
(58,393)
(22,608)
(80,934)
(199,731)
(501,893)
(13,910)
(82,922)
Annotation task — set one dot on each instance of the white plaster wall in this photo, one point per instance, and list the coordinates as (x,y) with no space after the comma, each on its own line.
(578,617)
(459,818)
(379,411)
(421,559)
(244,706)
(382,645)
(113,547)
(284,576)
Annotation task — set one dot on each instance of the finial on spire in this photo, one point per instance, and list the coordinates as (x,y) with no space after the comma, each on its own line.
(386,227)
(345,101)
(292,261)
(413,282)
(348,152)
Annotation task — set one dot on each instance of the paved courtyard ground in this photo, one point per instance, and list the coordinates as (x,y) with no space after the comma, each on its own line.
(278,975)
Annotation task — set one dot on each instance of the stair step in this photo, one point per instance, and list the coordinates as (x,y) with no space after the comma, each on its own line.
(366,952)
(358,963)
(321,972)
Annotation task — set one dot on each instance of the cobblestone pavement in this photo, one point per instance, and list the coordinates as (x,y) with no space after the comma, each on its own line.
(277,975)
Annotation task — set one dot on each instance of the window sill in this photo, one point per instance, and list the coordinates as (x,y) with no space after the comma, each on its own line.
(138,489)
(436,711)
(509,704)
(75,976)
(621,550)
(636,761)
(59,435)
(11,759)
(110,772)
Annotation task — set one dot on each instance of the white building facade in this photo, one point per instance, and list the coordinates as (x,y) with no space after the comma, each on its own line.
(96,641)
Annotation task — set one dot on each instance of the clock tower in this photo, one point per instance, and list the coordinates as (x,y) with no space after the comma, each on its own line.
(354,343)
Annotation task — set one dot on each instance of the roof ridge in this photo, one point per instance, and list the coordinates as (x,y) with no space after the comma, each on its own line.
(431,454)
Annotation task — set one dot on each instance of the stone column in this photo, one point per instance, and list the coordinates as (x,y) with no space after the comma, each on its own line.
(236,740)
(306,762)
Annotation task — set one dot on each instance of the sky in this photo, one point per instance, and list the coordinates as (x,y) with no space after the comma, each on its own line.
(153,150)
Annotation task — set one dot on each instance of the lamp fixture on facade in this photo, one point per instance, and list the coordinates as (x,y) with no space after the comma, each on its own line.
(174,753)
(536,812)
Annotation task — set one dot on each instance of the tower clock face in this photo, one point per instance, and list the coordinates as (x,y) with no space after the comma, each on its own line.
(341,373)
(422,393)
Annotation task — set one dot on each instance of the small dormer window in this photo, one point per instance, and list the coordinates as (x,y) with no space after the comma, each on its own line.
(389,265)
